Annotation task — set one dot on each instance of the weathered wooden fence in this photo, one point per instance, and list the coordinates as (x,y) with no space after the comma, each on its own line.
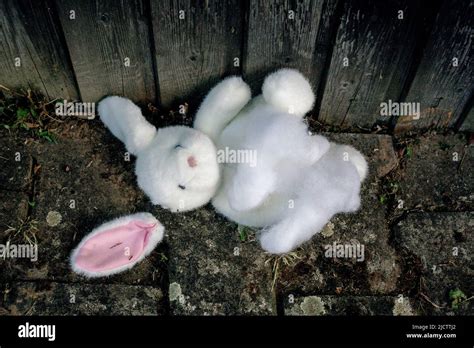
(357,54)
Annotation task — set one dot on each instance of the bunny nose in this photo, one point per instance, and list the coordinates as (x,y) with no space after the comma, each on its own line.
(192,161)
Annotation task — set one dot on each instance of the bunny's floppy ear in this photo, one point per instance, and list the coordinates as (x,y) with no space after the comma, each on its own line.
(125,120)
(117,245)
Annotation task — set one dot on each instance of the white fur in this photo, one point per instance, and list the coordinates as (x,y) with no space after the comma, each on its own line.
(299,181)
(288,91)
(155,237)
(221,105)
(358,160)
(125,120)
(162,167)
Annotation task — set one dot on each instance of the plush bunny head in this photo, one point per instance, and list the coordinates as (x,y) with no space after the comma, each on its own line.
(176,166)
(178,170)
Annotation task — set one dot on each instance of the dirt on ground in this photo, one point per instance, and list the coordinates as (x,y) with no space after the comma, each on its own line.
(416,225)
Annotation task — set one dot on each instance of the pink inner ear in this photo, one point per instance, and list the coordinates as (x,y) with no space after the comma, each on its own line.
(114,247)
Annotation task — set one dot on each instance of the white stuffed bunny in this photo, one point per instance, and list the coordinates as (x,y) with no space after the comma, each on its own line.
(295,184)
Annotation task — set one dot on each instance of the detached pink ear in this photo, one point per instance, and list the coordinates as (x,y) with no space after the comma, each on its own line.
(117,245)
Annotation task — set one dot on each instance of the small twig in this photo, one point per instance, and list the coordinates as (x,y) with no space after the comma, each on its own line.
(29,309)
(51,101)
(461,161)
(10,91)
(275,272)
(466,300)
(364,129)
(287,259)
(53,118)
(431,302)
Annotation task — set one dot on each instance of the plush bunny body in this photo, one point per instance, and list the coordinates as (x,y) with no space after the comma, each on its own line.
(298,181)
(294,183)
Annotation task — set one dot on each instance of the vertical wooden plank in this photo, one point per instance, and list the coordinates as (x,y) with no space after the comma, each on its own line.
(377,48)
(30,37)
(468,123)
(109,47)
(286,33)
(197,43)
(444,80)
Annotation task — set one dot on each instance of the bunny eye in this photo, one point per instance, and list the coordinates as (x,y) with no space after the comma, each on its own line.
(178,146)
(182,187)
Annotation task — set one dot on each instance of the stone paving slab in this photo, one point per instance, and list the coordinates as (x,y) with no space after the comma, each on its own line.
(203,268)
(50,298)
(348,305)
(378,273)
(207,278)
(15,162)
(87,166)
(438,174)
(82,181)
(211,272)
(443,242)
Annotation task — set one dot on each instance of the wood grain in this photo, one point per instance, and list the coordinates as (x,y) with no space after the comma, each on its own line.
(29,31)
(379,47)
(102,36)
(441,88)
(177,60)
(284,33)
(468,123)
(195,51)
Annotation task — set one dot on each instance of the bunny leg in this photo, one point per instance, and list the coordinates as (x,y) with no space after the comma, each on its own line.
(289,91)
(294,230)
(221,105)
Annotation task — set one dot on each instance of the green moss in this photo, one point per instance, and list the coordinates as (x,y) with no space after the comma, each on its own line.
(409,152)
(457,297)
